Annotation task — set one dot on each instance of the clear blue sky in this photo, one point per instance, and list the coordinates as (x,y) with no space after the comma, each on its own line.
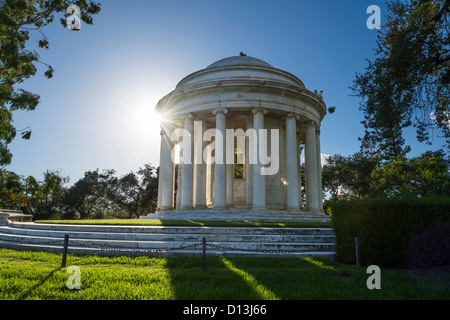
(96,112)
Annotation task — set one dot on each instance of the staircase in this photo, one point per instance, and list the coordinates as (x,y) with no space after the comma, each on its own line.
(169,241)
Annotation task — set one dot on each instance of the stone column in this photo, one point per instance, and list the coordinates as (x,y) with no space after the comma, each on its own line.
(319,170)
(292,163)
(200,183)
(259,181)
(299,158)
(187,164)
(179,191)
(229,169)
(160,172)
(167,172)
(248,165)
(219,162)
(311,188)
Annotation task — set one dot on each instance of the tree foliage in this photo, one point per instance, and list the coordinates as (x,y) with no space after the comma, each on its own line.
(134,193)
(11,190)
(349,176)
(86,198)
(422,176)
(44,196)
(96,195)
(358,176)
(17,62)
(408,82)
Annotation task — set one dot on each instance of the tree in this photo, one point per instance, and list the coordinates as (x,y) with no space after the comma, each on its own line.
(350,175)
(150,178)
(135,193)
(88,196)
(420,176)
(408,83)
(334,174)
(17,63)
(11,191)
(45,198)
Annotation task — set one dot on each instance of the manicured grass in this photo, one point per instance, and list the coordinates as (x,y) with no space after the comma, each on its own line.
(37,275)
(156,222)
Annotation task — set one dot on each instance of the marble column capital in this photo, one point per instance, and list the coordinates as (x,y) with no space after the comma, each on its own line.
(256,110)
(218,110)
(293,115)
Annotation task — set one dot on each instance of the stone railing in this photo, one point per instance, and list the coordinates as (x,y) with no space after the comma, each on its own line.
(13,215)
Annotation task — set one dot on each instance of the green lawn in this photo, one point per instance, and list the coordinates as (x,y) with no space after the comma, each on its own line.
(37,275)
(156,222)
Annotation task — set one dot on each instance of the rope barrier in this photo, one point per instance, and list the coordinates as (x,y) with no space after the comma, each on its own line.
(65,242)
(155,250)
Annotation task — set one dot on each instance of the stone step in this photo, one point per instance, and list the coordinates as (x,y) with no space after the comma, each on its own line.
(173,229)
(187,237)
(169,241)
(238,214)
(140,244)
(79,250)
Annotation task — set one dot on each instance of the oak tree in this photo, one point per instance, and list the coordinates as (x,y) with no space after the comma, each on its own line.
(17,62)
(408,82)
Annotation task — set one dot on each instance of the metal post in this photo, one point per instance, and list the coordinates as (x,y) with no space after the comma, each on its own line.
(66,245)
(204,255)
(358,254)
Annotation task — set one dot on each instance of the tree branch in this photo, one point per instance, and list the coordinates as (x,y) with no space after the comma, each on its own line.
(444,9)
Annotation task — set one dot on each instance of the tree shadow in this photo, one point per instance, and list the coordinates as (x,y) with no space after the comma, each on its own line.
(25,294)
(220,281)
(254,278)
(289,278)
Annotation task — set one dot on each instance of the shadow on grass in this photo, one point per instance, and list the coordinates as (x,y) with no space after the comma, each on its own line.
(240,278)
(41,282)
(220,281)
(287,278)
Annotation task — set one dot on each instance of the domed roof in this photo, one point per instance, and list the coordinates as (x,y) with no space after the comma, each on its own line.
(237,69)
(239,61)
(240,83)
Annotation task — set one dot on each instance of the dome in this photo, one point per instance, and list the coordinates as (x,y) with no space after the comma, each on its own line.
(237,68)
(241,83)
(239,61)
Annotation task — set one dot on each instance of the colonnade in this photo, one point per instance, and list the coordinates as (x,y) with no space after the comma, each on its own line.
(194,186)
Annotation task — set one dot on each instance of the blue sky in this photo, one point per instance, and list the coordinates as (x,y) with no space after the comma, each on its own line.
(97,110)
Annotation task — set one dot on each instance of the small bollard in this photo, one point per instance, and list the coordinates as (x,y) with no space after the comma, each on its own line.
(204,254)
(358,254)
(66,245)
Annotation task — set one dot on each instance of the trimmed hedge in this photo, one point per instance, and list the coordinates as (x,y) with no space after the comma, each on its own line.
(393,232)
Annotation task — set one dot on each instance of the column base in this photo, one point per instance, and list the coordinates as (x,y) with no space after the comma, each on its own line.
(314,210)
(184,207)
(165,208)
(201,206)
(293,209)
(259,208)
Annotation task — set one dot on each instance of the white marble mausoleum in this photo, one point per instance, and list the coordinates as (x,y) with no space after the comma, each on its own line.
(243,94)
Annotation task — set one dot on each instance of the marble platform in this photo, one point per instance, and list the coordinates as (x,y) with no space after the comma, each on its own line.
(240,215)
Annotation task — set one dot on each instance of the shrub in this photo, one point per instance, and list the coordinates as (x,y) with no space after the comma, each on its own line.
(393,232)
